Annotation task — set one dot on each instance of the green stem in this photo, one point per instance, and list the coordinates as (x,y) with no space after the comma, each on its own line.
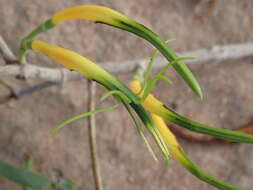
(29,166)
(24,46)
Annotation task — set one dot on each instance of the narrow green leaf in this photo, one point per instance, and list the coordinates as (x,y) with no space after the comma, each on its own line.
(170,40)
(162,145)
(148,122)
(140,131)
(150,66)
(151,84)
(116,93)
(23,176)
(164,78)
(80,116)
(183,59)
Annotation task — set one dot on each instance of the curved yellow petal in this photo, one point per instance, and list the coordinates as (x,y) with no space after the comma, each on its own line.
(90,12)
(149,104)
(71,60)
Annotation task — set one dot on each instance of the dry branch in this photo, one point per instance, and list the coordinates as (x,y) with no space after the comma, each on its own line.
(5,51)
(214,54)
(92,136)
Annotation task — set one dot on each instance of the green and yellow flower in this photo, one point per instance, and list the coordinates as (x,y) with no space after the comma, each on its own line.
(100,14)
(165,140)
(146,107)
(172,144)
(157,107)
(76,62)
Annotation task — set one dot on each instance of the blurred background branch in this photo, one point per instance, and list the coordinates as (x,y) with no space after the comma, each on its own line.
(30,71)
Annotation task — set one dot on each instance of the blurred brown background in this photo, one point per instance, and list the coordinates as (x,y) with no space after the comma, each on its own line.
(125,162)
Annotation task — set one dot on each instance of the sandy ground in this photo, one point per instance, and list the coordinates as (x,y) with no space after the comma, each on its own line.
(125,163)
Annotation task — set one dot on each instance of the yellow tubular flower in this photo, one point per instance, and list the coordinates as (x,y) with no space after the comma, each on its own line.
(178,154)
(109,16)
(157,107)
(173,146)
(168,136)
(71,60)
(90,12)
(76,62)
(100,14)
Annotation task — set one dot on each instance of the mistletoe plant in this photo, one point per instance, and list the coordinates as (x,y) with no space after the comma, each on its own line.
(142,106)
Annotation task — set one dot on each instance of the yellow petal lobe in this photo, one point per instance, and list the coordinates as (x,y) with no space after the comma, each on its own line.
(151,104)
(71,60)
(90,12)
